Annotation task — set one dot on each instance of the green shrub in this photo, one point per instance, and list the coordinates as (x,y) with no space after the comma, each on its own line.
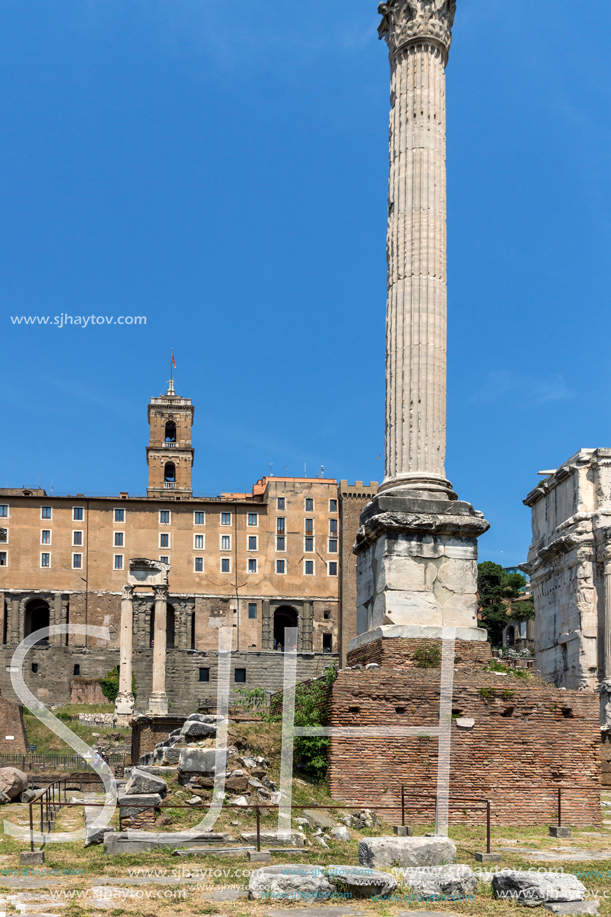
(109,684)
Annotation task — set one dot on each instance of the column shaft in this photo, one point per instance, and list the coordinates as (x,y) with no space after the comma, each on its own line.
(158,702)
(124,704)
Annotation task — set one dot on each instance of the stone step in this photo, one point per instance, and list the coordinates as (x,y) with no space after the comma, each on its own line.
(214,852)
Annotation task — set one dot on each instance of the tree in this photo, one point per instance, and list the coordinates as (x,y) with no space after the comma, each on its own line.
(497,589)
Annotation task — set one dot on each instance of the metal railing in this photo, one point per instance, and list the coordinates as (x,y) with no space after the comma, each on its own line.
(58,762)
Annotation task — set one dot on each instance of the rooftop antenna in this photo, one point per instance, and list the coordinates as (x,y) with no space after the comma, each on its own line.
(322,471)
(305,470)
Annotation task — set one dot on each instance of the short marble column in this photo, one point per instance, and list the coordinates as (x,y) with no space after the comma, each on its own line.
(158,701)
(124,704)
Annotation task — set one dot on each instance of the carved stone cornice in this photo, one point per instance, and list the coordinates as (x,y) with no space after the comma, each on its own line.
(407,21)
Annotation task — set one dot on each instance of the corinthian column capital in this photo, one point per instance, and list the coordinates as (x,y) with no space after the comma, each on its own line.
(408,21)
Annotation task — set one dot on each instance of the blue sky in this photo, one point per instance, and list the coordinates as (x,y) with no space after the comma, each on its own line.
(222,170)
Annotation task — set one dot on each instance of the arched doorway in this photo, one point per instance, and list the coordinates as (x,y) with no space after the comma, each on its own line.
(284,617)
(37,615)
(510,636)
(170,627)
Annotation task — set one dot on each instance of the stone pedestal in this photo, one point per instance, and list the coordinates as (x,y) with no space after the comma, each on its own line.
(124,704)
(158,701)
(417,567)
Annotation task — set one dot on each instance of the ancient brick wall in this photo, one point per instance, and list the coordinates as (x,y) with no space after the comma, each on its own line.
(398,653)
(11,724)
(147,732)
(528,738)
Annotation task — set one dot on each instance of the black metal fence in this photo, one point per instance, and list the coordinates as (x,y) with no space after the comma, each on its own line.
(34,760)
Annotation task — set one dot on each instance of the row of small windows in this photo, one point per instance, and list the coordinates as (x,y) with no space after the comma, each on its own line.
(309,505)
(199,518)
(199,541)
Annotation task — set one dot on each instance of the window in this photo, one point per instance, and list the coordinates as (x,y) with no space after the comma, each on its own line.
(77,561)
(326,614)
(240,676)
(333,568)
(252,610)
(309,526)
(45,560)
(252,543)
(164,540)
(225,542)
(309,567)
(309,544)
(280,525)
(77,513)
(119,515)
(169,473)
(45,536)
(34,667)
(253,519)
(199,564)
(204,674)
(76,670)
(164,560)
(332,545)
(45,512)
(164,517)
(225,565)
(281,503)
(327,643)
(199,518)
(199,542)
(3,559)
(77,538)
(118,539)
(3,536)
(118,564)
(3,510)
(280,543)
(225,518)
(332,506)
(309,505)
(522,630)
(281,567)
(170,432)
(333,526)
(252,565)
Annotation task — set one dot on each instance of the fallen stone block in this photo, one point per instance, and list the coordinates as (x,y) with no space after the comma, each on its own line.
(534,889)
(573,907)
(201,760)
(360,882)
(12,783)
(340,833)
(442,881)
(278,838)
(120,842)
(296,883)
(142,782)
(406,851)
(319,819)
(193,729)
(136,805)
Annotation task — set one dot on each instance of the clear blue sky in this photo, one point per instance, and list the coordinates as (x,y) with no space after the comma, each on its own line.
(221,168)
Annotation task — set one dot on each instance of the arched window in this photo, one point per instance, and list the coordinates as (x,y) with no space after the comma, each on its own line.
(284,617)
(169,473)
(37,615)
(170,432)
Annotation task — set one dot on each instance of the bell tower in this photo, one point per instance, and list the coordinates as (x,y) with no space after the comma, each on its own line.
(169,453)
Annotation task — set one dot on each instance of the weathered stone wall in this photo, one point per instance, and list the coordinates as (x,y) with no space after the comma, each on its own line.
(353,500)
(527,739)
(51,682)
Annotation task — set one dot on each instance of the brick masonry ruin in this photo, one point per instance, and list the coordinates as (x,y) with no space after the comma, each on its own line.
(528,738)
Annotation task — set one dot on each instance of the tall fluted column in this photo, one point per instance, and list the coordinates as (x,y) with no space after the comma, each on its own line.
(124,704)
(158,701)
(418,33)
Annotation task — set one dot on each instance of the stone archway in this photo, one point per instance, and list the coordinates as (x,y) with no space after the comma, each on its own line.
(510,636)
(37,615)
(284,616)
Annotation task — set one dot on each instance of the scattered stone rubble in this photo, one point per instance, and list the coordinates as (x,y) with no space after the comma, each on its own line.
(13,785)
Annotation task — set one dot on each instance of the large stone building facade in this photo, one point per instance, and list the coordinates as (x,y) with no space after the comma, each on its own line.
(256,562)
(569,563)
